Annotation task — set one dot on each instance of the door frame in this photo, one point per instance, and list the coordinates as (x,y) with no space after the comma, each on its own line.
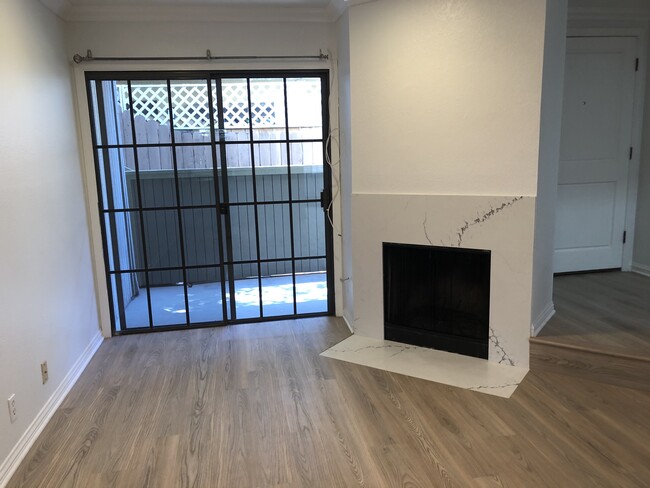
(88,170)
(641,36)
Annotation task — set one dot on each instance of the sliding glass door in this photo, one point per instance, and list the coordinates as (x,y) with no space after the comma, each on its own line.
(213,191)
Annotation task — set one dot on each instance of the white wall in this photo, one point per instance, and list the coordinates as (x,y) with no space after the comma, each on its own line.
(445,126)
(46,294)
(549,157)
(345,144)
(191,39)
(446,96)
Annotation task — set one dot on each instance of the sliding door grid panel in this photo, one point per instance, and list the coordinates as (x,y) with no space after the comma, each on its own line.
(212,192)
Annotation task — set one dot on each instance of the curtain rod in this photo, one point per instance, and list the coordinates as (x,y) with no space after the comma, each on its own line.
(78,58)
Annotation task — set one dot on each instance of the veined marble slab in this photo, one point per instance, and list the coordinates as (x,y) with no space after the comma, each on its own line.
(503,224)
(429,364)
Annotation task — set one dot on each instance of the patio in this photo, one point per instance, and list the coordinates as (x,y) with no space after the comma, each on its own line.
(205,304)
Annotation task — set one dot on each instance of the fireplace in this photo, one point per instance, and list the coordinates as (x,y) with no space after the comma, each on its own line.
(437,297)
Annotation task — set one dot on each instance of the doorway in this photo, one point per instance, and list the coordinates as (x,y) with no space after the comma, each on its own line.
(595,153)
(214,196)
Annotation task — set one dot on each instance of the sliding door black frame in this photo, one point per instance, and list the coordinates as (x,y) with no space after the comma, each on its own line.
(222,205)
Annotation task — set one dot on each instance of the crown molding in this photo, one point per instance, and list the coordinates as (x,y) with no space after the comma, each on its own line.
(336,8)
(197,12)
(194,13)
(59,7)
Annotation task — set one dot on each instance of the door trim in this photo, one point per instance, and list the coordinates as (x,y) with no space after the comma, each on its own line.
(90,173)
(641,36)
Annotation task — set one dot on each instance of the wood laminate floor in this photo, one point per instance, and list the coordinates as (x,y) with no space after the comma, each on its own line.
(604,312)
(256,406)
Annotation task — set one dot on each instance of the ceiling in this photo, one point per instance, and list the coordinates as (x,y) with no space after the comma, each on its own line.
(199,10)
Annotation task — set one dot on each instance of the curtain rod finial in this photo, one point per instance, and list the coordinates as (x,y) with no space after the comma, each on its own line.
(78,58)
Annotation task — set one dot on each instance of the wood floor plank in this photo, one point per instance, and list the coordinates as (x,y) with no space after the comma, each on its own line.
(607,311)
(256,406)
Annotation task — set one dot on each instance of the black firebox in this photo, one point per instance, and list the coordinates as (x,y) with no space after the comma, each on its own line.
(437,297)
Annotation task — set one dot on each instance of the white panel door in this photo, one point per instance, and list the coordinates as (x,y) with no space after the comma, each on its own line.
(594,153)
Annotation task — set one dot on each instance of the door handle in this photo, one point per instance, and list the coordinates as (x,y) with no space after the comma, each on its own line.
(325,199)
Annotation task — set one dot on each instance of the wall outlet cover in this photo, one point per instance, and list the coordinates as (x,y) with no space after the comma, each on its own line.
(44,374)
(11,402)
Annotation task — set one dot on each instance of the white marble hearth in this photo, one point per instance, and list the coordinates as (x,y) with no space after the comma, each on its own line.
(429,364)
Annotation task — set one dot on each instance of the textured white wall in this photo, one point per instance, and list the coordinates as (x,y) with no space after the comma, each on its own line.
(47,295)
(345,142)
(446,102)
(549,157)
(193,38)
(446,96)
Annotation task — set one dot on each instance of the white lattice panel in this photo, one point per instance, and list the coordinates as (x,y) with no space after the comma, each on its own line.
(191,111)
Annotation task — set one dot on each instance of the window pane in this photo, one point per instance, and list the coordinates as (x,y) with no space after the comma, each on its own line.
(277,289)
(157,183)
(191,111)
(119,189)
(151,112)
(267,105)
(236,118)
(110,101)
(244,246)
(201,236)
(167,298)
(162,240)
(247,298)
(275,231)
(305,111)
(204,295)
(134,298)
(307,170)
(124,246)
(271,172)
(311,286)
(240,173)
(308,229)
(196,175)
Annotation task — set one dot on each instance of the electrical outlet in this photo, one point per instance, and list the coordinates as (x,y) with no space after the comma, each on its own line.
(44,371)
(12,408)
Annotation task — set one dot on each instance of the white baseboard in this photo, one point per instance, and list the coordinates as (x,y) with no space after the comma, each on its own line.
(642,269)
(348,324)
(24,444)
(542,319)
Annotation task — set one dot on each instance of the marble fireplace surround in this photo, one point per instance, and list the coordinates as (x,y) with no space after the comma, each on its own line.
(502,224)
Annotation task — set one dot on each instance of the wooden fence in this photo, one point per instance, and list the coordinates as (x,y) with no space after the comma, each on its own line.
(199,226)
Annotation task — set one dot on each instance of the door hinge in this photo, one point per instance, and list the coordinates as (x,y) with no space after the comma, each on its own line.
(624,236)
(636,65)
(631,152)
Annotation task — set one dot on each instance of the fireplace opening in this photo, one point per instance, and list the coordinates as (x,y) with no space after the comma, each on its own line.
(437,297)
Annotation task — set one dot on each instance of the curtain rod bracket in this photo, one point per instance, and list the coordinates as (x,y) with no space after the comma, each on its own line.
(78,58)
